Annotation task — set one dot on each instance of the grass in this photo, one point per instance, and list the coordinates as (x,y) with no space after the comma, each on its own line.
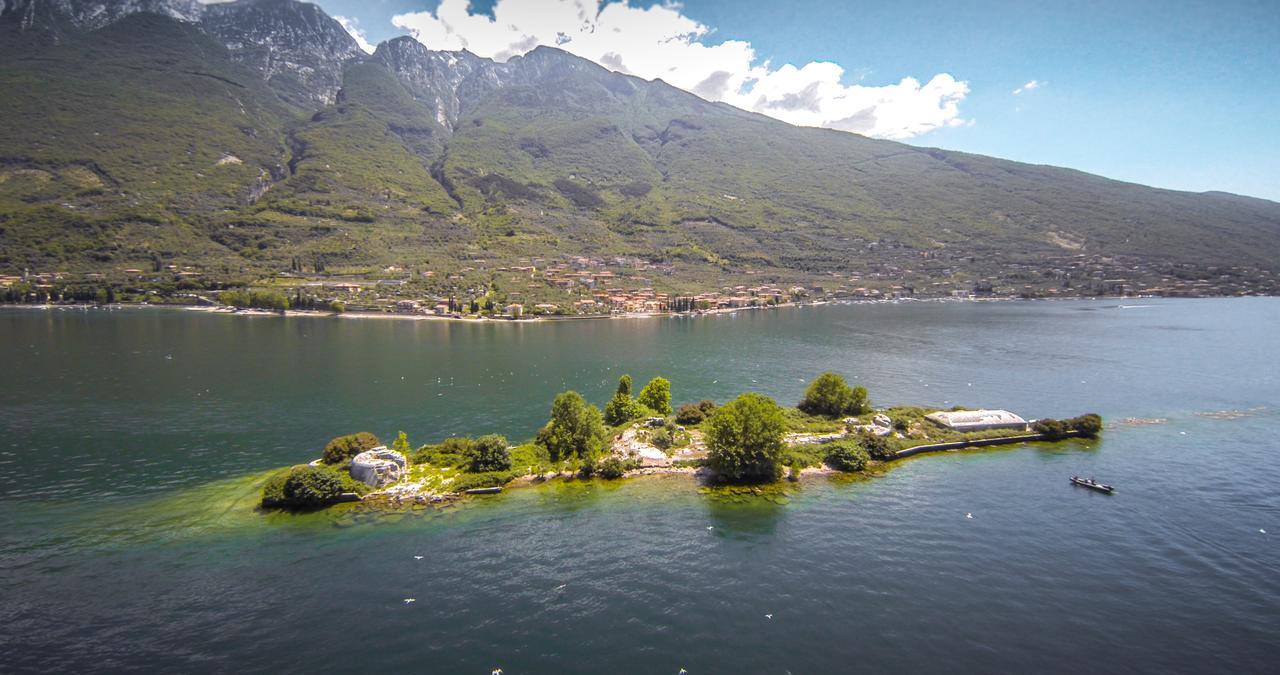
(800,422)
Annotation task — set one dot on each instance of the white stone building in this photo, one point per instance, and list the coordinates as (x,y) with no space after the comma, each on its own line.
(977,420)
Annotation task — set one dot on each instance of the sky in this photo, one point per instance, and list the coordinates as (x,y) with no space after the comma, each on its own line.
(1178,94)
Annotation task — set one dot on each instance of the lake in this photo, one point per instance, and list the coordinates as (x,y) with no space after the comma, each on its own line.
(134,441)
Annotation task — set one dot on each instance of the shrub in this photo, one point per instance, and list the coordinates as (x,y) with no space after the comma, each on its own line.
(1051,429)
(707,406)
(878,448)
(303,485)
(454,451)
(847,456)
(489,453)
(614,467)
(1089,425)
(830,396)
(656,396)
(341,449)
(690,414)
(744,438)
(576,428)
(471,481)
(662,439)
(804,455)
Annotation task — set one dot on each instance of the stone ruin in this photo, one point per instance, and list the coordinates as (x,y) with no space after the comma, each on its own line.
(379,466)
(880,425)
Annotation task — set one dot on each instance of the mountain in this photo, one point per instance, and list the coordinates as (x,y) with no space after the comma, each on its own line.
(254,137)
(298,48)
(55,19)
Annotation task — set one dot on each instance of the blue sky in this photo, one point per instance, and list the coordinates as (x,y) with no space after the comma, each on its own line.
(1182,95)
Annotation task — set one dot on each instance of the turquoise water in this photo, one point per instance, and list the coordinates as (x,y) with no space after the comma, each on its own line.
(134,439)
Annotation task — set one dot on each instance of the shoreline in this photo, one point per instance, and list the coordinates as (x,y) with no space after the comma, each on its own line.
(227,310)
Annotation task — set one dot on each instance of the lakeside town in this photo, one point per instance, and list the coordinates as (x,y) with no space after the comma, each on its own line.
(586,286)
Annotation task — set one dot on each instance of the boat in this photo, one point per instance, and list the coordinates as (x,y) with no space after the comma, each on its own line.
(1092,484)
(483,491)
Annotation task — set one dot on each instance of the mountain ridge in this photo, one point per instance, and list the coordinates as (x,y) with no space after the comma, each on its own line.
(410,157)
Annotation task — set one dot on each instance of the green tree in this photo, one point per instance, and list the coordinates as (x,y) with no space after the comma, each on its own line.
(489,453)
(576,428)
(744,438)
(656,396)
(622,408)
(402,445)
(829,395)
(341,449)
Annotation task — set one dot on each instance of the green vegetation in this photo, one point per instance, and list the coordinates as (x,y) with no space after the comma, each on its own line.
(879,448)
(744,438)
(846,456)
(622,408)
(308,486)
(693,414)
(805,455)
(1089,426)
(613,468)
(401,444)
(144,145)
(830,396)
(800,422)
(471,481)
(341,449)
(489,453)
(656,396)
(575,430)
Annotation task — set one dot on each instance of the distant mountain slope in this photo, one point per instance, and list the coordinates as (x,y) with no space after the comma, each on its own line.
(298,48)
(246,136)
(127,139)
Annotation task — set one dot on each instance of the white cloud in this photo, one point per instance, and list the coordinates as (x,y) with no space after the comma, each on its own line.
(661,42)
(1030,86)
(352,26)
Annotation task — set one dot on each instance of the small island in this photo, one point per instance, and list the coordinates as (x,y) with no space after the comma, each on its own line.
(749,440)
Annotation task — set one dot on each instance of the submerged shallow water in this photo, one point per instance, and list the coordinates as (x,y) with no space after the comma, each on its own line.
(135,441)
